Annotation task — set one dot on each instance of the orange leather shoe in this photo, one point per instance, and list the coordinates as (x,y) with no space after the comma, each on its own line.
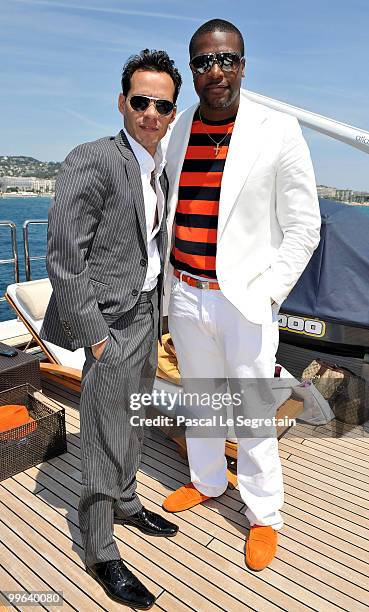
(184,498)
(261,547)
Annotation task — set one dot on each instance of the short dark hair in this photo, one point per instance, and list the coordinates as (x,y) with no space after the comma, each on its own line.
(216,25)
(157,61)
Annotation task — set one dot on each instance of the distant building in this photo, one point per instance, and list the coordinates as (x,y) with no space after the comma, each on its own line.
(44,185)
(347,196)
(344,195)
(329,193)
(27,183)
(361,197)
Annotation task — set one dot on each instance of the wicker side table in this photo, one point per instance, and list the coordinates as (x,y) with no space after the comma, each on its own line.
(18,370)
(24,446)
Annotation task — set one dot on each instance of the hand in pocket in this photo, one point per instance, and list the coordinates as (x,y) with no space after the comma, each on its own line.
(98,349)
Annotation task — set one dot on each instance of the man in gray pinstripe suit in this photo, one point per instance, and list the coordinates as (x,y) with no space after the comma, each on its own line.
(106,243)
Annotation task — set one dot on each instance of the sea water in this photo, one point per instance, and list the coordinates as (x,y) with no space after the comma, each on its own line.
(18,210)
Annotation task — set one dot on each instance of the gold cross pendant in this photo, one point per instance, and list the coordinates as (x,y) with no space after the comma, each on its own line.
(216,150)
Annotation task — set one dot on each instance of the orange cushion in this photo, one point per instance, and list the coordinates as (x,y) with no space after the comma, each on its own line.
(15,415)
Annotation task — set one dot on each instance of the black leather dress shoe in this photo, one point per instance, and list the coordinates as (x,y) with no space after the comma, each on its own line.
(121,585)
(149,522)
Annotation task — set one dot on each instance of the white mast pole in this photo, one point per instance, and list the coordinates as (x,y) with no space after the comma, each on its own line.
(340,131)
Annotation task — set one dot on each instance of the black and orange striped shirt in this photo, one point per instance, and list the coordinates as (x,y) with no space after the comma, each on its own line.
(196,219)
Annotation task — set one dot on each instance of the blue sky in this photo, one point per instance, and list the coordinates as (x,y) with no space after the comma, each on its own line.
(61,63)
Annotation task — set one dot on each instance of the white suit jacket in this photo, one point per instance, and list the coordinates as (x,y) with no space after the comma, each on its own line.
(269,219)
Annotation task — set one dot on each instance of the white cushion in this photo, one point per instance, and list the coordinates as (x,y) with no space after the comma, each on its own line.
(73,359)
(34,297)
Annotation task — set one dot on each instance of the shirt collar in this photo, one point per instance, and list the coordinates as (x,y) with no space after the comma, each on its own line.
(146,162)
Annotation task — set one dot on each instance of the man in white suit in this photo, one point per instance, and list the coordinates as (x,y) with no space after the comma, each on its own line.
(243,223)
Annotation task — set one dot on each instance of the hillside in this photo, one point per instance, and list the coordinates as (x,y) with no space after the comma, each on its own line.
(21,165)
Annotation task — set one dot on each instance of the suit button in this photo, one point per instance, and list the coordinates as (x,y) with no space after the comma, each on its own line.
(143,262)
(134,292)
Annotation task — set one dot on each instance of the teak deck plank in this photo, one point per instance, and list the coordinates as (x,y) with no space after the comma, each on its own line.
(26,578)
(322,559)
(293,482)
(46,559)
(319,452)
(306,588)
(8,583)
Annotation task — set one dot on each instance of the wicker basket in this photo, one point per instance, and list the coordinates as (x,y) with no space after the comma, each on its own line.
(25,446)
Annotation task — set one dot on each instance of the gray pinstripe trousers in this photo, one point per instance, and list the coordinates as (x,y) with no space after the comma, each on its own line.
(110,447)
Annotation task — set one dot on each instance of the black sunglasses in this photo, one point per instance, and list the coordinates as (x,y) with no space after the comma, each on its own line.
(227,61)
(141,103)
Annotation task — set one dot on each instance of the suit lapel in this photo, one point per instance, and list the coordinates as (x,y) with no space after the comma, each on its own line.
(176,151)
(175,154)
(244,149)
(163,180)
(134,179)
(162,235)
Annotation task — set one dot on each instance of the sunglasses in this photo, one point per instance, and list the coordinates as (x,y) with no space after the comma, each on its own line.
(226,61)
(141,103)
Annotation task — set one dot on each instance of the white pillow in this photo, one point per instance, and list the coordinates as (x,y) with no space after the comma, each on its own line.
(34,296)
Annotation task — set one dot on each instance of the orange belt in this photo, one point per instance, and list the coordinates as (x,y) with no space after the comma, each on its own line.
(195,282)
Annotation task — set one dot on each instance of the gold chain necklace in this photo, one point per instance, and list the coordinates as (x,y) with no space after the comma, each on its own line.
(217,144)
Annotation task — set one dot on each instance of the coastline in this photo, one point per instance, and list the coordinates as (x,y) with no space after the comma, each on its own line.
(26,195)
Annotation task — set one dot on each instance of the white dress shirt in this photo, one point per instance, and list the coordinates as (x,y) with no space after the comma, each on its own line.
(153,201)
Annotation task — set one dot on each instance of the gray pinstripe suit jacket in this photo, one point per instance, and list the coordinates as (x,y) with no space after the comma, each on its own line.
(97,245)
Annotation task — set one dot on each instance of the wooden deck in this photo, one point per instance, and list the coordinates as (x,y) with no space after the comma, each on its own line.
(323,555)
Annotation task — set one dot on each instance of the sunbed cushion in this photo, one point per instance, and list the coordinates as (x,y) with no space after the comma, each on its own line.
(73,359)
(34,297)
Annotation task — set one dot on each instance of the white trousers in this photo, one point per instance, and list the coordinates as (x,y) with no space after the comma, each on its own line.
(214,340)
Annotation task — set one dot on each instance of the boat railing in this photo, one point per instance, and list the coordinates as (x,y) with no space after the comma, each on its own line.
(348,134)
(14,259)
(28,258)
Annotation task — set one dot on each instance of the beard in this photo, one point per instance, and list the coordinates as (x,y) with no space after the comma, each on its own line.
(224,101)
